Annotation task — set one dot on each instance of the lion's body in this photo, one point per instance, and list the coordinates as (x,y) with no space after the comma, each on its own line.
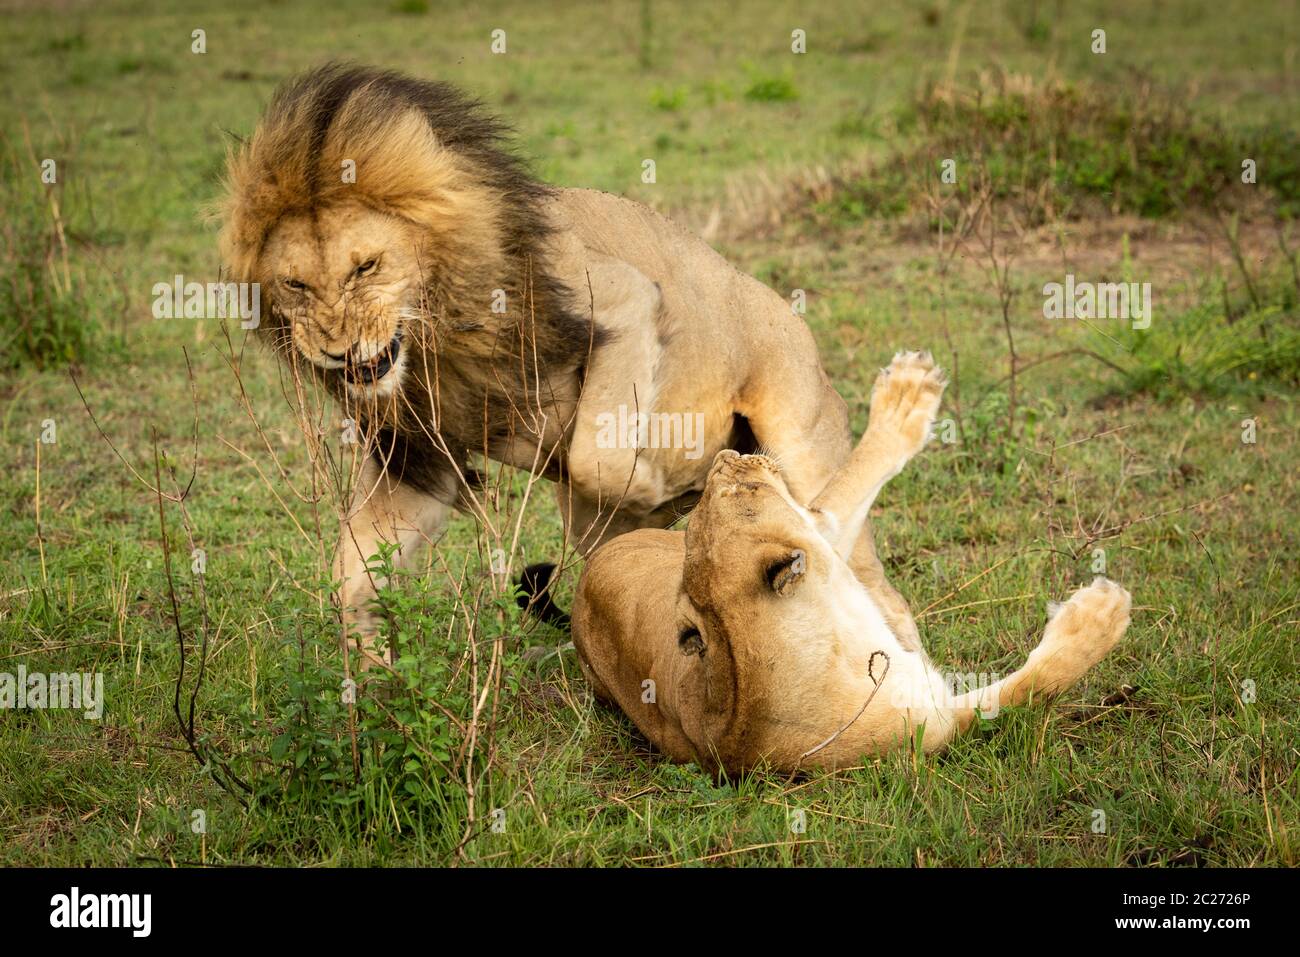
(453,305)
(749,640)
(687,335)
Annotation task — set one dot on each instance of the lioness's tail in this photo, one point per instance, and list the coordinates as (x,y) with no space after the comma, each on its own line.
(1078,635)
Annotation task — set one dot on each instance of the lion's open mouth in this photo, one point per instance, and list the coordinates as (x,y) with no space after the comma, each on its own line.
(376,368)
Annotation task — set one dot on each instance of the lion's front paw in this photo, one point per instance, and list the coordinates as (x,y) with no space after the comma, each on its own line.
(905,400)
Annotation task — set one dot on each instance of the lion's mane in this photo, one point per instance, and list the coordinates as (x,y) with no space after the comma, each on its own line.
(428,153)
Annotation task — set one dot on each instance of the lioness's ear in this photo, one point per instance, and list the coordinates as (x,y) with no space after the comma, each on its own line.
(690,641)
(786,572)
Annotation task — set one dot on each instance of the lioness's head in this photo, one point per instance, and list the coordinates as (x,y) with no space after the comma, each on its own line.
(372,209)
(753,608)
(755,560)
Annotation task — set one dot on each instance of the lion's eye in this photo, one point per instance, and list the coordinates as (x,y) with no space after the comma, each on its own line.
(364,268)
(296,285)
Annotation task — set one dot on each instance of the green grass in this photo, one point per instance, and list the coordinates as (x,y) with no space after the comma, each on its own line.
(1199,765)
(51,313)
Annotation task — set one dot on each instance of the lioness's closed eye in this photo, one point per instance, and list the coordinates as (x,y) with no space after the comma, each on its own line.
(789,670)
(783,574)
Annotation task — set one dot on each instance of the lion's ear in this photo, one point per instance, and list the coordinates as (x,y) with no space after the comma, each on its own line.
(785,574)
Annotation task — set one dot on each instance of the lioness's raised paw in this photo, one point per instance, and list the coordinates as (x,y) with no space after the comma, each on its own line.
(905,400)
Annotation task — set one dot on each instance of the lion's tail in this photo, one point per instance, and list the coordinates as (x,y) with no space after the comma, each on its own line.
(535,595)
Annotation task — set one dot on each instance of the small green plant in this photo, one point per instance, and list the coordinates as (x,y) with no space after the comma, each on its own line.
(772,89)
(68,42)
(386,751)
(988,447)
(1059,150)
(1208,351)
(668,100)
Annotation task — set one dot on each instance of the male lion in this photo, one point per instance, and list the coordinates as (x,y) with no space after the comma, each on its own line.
(748,639)
(453,304)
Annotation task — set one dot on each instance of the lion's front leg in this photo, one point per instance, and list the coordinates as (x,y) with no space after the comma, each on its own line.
(588,523)
(618,476)
(383,510)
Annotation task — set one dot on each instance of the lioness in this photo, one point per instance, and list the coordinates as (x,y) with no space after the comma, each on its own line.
(453,304)
(748,639)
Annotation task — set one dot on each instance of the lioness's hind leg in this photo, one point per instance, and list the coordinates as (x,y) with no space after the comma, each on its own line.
(1079,635)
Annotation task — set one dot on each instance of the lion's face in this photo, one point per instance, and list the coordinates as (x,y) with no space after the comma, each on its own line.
(347,281)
